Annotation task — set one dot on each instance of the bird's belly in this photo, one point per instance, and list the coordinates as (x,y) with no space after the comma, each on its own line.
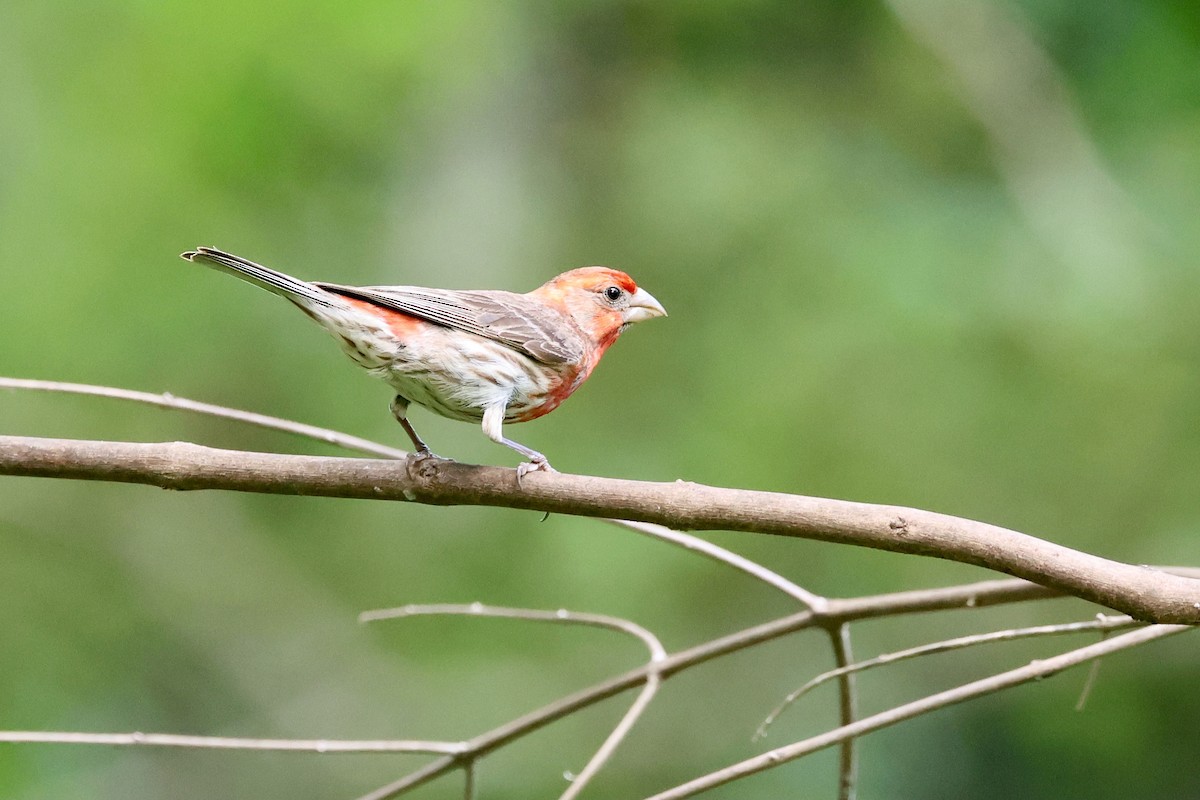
(461,381)
(452,373)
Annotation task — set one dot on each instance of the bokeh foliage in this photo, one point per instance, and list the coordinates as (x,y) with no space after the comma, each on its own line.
(897,271)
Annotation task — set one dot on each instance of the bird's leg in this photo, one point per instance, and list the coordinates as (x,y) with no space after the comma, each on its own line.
(493,427)
(399,407)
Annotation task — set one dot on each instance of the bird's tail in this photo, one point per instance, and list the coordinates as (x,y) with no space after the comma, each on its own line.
(294,289)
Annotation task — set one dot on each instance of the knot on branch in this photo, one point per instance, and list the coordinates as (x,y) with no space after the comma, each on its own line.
(424,469)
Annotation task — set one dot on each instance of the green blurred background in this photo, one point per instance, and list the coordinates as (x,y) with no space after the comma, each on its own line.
(938,254)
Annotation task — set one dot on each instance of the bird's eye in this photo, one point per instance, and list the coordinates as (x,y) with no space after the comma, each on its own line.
(613,293)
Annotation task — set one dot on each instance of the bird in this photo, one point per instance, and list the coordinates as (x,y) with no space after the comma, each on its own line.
(486,356)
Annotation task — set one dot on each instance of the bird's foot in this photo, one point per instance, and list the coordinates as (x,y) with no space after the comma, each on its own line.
(536,463)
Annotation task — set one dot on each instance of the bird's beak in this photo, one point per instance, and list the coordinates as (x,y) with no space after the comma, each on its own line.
(642,306)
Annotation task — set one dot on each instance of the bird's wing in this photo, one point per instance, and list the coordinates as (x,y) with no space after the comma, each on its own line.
(526,325)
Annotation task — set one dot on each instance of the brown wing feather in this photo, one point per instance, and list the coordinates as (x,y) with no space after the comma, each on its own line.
(518,321)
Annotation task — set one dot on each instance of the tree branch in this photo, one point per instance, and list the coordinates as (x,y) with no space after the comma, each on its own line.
(139,739)
(561,616)
(1035,670)
(464,754)
(843,654)
(1101,623)
(175,403)
(1141,592)
(840,611)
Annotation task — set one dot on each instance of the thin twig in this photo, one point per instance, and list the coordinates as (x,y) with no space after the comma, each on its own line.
(234,743)
(1101,623)
(1035,670)
(1090,681)
(469,780)
(168,400)
(717,553)
(561,616)
(657,655)
(614,738)
(843,655)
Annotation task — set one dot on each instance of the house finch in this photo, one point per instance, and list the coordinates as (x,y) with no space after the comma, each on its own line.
(479,356)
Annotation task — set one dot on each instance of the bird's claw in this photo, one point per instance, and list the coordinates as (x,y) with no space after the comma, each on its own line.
(533,465)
